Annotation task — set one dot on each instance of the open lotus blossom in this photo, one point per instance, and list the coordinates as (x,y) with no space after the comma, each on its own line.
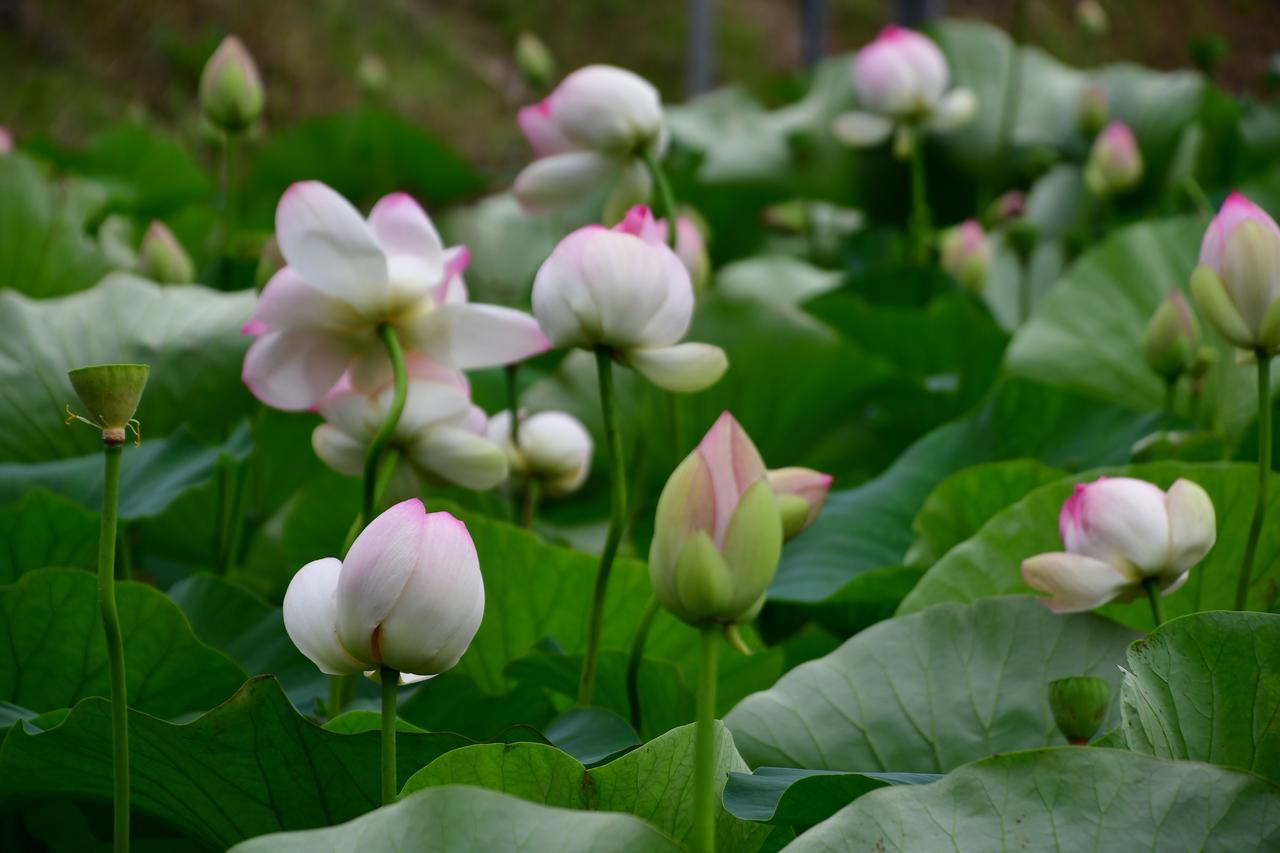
(592,129)
(624,289)
(801,492)
(1120,532)
(553,447)
(1115,161)
(441,435)
(902,78)
(408,596)
(1237,284)
(319,317)
(717,532)
(966,254)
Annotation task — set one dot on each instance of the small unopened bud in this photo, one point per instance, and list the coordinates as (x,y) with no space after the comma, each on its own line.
(1115,163)
(162,258)
(6,140)
(1079,706)
(1093,111)
(801,492)
(966,255)
(230,89)
(111,393)
(1092,18)
(534,60)
(1236,287)
(1172,339)
(1011,205)
(372,75)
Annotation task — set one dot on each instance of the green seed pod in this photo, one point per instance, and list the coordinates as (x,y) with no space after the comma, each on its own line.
(1079,705)
(111,393)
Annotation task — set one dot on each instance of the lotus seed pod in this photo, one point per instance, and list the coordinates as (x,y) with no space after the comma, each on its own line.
(1079,705)
(111,393)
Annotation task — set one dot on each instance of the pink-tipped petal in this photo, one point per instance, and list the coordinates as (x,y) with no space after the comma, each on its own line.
(537,123)
(329,244)
(734,465)
(374,574)
(1074,583)
(639,222)
(473,335)
(1119,520)
(402,227)
(1236,209)
(289,301)
(293,369)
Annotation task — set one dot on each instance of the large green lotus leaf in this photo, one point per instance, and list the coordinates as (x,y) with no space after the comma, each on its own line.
(251,632)
(654,782)
(45,249)
(190,336)
(53,653)
(1065,799)
(1156,105)
(142,169)
(152,477)
(1086,335)
(963,502)
(928,692)
(473,820)
(44,529)
(989,563)
(869,527)
(250,766)
(363,154)
(791,797)
(1206,687)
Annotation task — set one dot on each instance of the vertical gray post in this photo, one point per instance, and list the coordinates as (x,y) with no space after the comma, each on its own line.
(700,54)
(815,30)
(917,13)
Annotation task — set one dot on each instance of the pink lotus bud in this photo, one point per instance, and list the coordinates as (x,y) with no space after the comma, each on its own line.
(966,254)
(1171,342)
(554,448)
(718,531)
(6,140)
(900,74)
(1237,285)
(624,289)
(230,89)
(801,492)
(1118,533)
(598,108)
(1092,18)
(162,258)
(1115,163)
(1010,205)
(408,596)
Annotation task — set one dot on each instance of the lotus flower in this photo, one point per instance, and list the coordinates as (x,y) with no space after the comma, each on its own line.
(319,317)
(408,596)
(718,531)
(625,290)
(901,78)
(1237,285)
(553,447)
(1119,533)
(591,129)
(441,436)
(1115,162)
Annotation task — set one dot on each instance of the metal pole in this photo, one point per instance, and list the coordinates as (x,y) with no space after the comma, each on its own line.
(815,29)
(700,55)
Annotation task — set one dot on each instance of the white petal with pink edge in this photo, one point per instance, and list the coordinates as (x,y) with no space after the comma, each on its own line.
(326,240)
(1074,583)
(310,613)
(293,369)
(473,336)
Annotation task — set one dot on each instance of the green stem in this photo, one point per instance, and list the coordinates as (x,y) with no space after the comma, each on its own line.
(229,145)
(1264,469)
(1152,587)
(635,658)
(617,520)
(666,199)
(115,643)
(1170,398)
(1204,207)
(231,482)
(390,681)
(920,218)
(1011,98)
(529,506)
(704,748)
(513,401)
(374,455)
